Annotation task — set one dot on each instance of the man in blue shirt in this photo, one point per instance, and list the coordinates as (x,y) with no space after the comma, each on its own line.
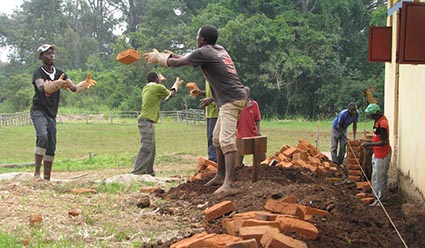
(339,131)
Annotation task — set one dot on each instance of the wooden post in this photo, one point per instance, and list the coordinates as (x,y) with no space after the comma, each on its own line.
(253,145)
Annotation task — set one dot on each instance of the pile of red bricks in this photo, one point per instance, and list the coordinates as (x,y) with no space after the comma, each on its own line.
(304,155)
(206,168)
(353,162)
(259,228)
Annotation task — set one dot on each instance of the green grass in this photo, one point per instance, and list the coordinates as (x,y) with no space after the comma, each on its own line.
(84,146)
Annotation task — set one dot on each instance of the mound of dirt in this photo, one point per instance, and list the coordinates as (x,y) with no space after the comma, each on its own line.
(351,223)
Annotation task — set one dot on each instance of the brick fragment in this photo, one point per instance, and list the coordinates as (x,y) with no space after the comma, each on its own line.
(256,232)
(368,200)
(301,227)
(280,240)
(215,240)
(249,243)
(219,210)
(185,243)
(290,151)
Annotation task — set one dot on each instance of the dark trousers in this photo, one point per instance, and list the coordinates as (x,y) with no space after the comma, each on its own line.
(146,156)
(210,129)
(45,128)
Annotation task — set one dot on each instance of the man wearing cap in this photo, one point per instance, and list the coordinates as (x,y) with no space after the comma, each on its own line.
(48,81)
(381,152)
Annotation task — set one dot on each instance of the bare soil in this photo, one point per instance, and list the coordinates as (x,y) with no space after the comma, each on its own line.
(177,212)
(351,223)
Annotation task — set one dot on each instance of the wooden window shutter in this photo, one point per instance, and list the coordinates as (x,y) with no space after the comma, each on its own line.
(380,41)
(412,34)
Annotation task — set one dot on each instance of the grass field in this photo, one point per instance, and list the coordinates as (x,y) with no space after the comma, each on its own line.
(113,145)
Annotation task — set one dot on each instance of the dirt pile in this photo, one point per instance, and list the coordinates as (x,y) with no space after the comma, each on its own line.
(351,222)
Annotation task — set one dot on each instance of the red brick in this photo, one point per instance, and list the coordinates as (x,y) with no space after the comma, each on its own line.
(128,56)
(290,151)
(219,210)
(279,240)
(301,227)
(300,155)
(215,240)
(254,222)
(354,178)
(279,206)
(359,185)
(256,232)
(232,225)
(185,243)
(249,243)
(368,200)
(354,172)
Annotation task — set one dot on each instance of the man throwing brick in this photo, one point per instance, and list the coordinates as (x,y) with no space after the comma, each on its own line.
(48,81)
(227,91)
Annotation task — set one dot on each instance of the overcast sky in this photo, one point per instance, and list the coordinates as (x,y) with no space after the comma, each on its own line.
(7,7)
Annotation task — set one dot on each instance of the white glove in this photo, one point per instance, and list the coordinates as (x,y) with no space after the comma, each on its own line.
(83,85)
(156,57)
(56,85)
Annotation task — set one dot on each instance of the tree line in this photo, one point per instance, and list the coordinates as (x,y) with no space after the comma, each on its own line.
(304,58)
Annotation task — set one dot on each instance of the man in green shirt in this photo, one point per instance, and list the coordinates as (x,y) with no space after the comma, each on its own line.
(152,95)
(211,114)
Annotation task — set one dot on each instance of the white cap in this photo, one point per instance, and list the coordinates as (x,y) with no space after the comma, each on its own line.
(44,48)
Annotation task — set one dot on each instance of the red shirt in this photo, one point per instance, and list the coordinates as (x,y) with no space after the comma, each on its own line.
(247,126)
(381,131)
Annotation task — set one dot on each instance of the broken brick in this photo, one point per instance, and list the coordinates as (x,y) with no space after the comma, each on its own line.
(256,232)
(249,243)
(301,227)
(280,240)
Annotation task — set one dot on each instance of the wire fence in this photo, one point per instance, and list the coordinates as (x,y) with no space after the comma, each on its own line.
(192,116)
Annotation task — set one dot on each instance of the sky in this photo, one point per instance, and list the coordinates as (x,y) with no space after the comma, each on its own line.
(7,7)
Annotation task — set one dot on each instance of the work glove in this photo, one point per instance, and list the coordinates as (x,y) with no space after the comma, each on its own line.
(205,101)
(83,85)
(156,57)
(161,77)
(177,84)
(56,85)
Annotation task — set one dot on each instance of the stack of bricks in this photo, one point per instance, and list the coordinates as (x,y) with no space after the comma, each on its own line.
(354,163)
(364,192)
(354,160)
(268,228)
(206,168)
(304,155)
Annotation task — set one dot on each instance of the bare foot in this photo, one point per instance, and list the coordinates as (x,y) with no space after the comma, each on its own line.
(225,191)
(37,178)
(214,182)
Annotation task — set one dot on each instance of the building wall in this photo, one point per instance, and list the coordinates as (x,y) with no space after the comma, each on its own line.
(405,110)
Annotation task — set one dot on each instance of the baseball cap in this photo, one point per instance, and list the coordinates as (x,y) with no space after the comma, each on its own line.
(44,48)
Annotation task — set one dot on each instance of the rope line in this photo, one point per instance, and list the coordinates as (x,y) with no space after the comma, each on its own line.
(375,195)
